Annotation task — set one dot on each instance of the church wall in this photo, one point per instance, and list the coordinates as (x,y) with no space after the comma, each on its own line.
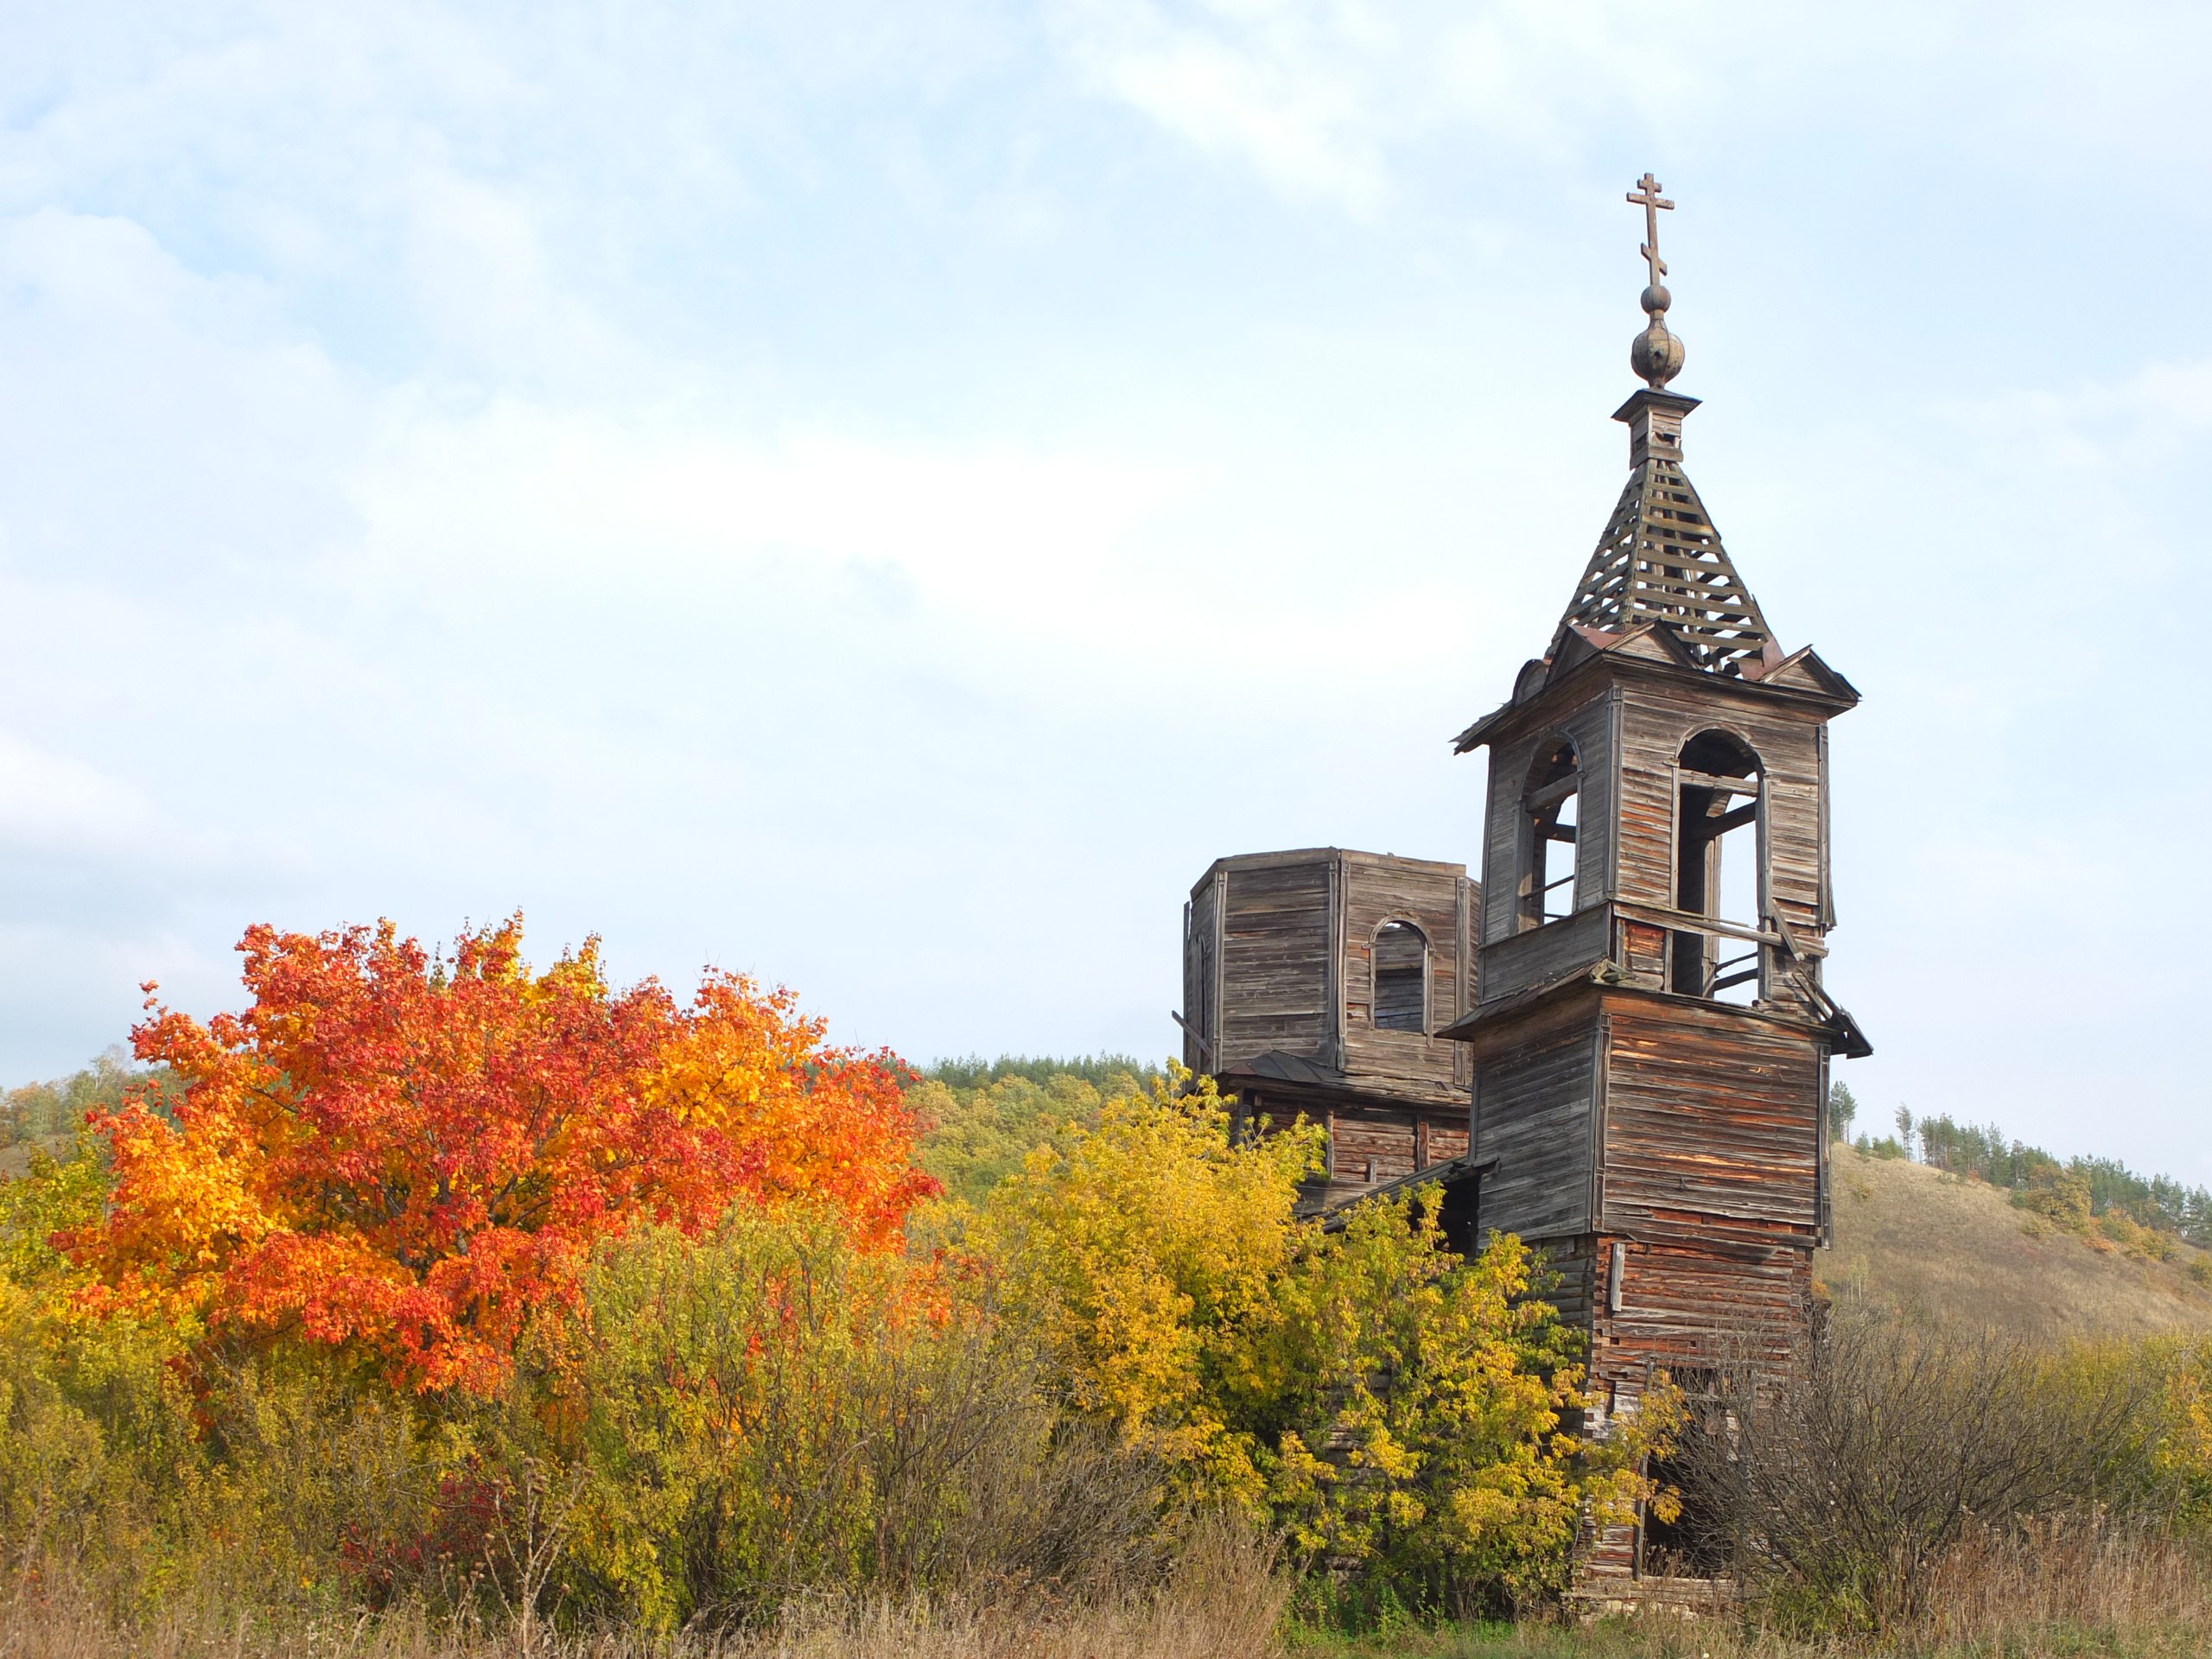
(1533,1115)
(1657,720)
(1279,956)
(1371,1147)
(1590,726)
(1545,953)
(1708,1115)
(1375,890)
(1569,1273)
(1274,941)
(1371,1139)
(1201,962)
(1694,1307)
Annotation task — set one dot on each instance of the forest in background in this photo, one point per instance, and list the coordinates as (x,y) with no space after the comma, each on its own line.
(498,1304)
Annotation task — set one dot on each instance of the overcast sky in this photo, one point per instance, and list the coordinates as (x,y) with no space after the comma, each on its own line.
(880,494)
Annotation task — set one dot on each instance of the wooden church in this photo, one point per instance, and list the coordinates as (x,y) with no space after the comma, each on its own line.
(1616,1044)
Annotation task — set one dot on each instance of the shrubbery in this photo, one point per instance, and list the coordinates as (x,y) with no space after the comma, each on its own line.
(1843,1491)
(465,1283)
(1396,1411)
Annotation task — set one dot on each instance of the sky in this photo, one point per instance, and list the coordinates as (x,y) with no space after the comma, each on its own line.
(879,496)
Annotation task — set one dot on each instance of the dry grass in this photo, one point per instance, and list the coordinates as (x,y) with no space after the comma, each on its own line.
(2069,1593)
(1959,1252)
(62,1628)
(2079,1580)
(1225,1602)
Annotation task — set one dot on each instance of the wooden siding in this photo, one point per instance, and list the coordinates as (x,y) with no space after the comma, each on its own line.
(1665,1151)
(1533,1106)
(1369,1142)
(1696,1303)
(1687,1305)
(1367,1148)
(1589,725)
(1708,1113)
(1544,953)
(1658,719)
(1377,889)
(1569,1277)
(1277,979)
(1279,956)
(1202,972)
(1630,718)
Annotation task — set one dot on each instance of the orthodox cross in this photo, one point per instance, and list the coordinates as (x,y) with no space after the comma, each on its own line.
(1646,196)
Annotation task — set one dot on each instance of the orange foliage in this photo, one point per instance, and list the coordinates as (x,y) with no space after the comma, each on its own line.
(404,1158)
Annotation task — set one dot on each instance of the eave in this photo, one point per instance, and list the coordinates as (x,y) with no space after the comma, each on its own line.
(1801,677)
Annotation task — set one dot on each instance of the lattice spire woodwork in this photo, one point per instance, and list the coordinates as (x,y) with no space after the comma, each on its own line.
(1661,561)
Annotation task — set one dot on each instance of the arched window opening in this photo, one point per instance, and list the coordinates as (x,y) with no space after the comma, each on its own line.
(1549,807)
(1400,978)
(1720,869)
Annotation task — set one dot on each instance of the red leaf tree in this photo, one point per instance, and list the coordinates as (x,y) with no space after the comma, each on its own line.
(404,1158)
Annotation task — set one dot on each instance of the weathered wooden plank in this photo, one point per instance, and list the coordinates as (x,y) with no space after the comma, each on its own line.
(1709,1116)
(1544,953)
(1532,1116)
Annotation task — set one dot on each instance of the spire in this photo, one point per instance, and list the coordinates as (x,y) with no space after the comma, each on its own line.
(1661,559)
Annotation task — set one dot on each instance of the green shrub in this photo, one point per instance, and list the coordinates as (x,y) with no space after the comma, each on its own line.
(768,1411)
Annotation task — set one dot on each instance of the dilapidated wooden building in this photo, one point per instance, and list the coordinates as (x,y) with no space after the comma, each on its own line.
(1620,1046)
(1319,983)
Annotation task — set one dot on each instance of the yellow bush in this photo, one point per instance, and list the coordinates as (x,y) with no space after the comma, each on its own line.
(1388,1404)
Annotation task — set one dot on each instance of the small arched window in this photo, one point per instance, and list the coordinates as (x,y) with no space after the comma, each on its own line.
(1547,809)
(1400,978)
(1720,868)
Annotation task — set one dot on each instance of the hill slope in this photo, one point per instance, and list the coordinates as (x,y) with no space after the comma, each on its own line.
(1958,1251)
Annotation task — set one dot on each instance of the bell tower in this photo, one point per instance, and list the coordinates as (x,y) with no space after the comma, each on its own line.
(1650,1042)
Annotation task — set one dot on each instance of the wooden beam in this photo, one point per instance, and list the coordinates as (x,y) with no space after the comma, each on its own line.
(1715,780)
(1204,1046)
(1558,790)
(1713,828)
(1682,921)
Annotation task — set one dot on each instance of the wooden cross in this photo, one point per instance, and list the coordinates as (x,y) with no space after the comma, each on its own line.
(1646,196)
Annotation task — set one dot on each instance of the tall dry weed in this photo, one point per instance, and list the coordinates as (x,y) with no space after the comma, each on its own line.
(1840,1492)
(2082,1577)
(1225,1601)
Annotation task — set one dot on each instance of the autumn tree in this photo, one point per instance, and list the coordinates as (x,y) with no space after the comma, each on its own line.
(400,1157)
(1381,1401)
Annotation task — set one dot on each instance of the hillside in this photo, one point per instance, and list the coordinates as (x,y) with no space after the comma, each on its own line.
(1958,1251)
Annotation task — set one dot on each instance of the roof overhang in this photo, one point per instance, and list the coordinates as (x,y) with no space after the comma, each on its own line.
(1651,650)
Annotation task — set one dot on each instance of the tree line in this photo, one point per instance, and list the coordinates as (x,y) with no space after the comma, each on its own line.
(2079,1191)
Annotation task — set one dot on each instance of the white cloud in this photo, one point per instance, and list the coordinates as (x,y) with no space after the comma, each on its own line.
(160,421)
(780,484)
(1282,84)
(1334,100)
(456,505)
(50,802)
(2131,428)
